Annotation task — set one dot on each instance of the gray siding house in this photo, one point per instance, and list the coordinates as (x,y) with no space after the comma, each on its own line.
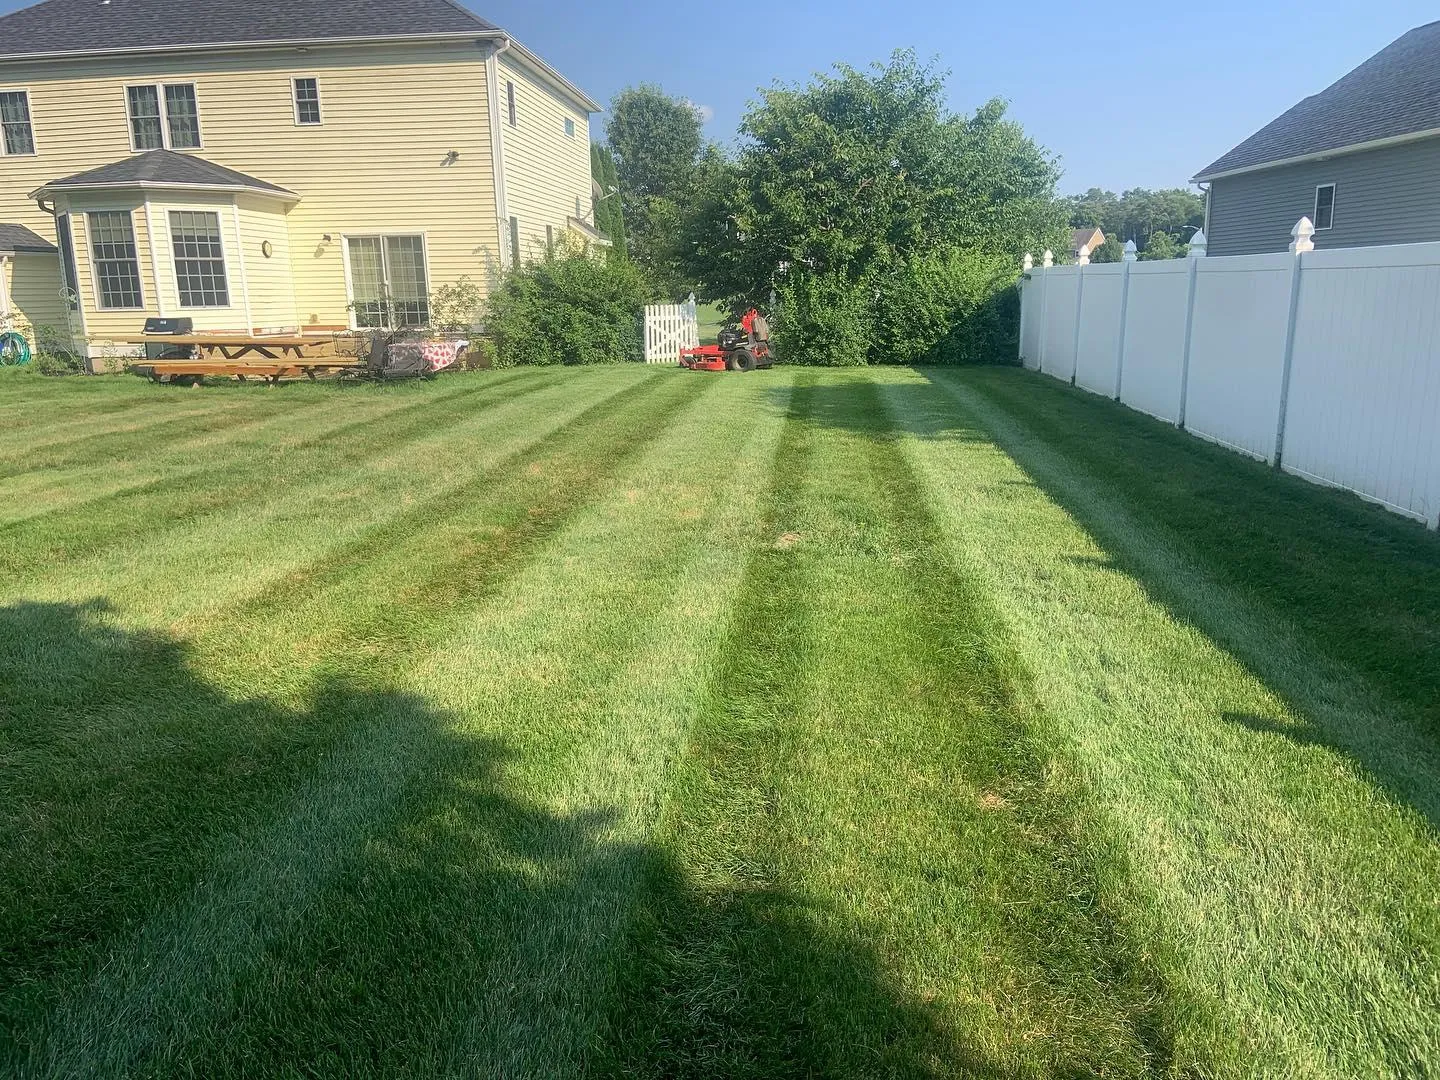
(1361,159)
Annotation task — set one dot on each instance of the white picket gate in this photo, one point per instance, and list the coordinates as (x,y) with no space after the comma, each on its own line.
(668,329)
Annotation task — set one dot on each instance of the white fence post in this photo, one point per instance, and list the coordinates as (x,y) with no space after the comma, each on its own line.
(1301,243)
(1079,300)
(1125,260)
(1194,261)
(1046,261)
(1027,264)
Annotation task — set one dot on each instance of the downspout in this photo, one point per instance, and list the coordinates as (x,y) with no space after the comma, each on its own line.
(497,148)
(4,293)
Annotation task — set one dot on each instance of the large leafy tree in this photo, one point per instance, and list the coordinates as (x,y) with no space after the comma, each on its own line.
(857,174)
(656,142)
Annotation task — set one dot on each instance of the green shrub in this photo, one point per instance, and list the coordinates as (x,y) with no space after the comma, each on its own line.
(54,353)
(952,308)
(822,319)
(568,308)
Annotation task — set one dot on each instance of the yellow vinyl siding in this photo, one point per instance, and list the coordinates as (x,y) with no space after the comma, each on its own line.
(376,164)
(32,282)
(545,169)
(272,290)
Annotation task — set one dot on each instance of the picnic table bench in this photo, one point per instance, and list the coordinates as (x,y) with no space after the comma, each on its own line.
(265,356)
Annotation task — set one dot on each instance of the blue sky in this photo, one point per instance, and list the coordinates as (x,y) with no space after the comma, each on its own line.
(1129,94)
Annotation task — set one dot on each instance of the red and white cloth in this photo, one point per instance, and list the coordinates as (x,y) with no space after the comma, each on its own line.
(435,354)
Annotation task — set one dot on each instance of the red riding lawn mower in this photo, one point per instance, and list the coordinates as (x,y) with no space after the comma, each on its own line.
(744,349)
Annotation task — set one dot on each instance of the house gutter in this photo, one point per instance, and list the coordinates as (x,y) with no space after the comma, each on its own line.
(541,68)
(497,147)
(1320,155)
(48,191)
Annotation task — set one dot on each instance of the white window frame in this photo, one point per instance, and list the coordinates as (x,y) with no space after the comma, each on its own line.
(569,127)
(96,294)
(166,210)
(295,101)
(30,112)
(349,285)
(159,88)
(512,104)
(1315,209)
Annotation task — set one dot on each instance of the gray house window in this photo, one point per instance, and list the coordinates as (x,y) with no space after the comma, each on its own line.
(515,240)
(199,259)
(510,103)
(307,101)
(1324,207)
(163,121)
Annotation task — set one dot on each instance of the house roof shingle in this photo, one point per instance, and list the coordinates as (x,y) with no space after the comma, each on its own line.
(164,167)
(68,26)
(1394,93)
(15,238)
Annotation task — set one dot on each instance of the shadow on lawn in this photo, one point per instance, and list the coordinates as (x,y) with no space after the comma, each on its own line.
(193,883)
(1358,584)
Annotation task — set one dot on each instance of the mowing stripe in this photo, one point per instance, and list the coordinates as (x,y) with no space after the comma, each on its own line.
(1300,900)
(176,971)
(868,869)
(51,490)
(29,549)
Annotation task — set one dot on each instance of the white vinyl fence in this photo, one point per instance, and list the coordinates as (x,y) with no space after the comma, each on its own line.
(1325,363)
(670,328)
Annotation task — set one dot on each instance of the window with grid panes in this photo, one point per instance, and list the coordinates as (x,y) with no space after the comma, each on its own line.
(163,117)
(307,101)
(199,258)
(16,134)
(388,286)
(112,250)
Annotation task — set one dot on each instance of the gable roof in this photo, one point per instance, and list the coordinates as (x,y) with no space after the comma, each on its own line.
(1079,237)
(165,168)
(70,26)
(15,238)
(1394,94)
(55,29)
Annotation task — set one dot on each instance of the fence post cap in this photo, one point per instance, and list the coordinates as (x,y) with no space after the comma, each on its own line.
(1082,257)
(1048,259)
(1302,232)
(1197,244)
(1129,255)
(1027,263)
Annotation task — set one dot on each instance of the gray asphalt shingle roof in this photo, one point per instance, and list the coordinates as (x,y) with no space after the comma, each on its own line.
(1396,92)
(58,26)
(164,167)
(15,238)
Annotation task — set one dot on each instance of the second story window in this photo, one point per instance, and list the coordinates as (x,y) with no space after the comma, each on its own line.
(1324,206)
(307,101)
(18,135)
(163,117)
(569,127)
(510,101)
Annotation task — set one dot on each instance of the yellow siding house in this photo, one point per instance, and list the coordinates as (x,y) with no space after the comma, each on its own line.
(258,165)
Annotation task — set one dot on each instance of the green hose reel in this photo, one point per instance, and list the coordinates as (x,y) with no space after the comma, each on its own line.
(14,349)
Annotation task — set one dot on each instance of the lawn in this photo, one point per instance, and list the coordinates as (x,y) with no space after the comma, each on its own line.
(636,722)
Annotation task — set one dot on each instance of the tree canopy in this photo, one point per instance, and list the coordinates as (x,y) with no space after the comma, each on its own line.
(858,171)
(1138,213)
(656,142)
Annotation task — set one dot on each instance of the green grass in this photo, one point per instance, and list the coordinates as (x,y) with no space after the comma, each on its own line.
(629,722)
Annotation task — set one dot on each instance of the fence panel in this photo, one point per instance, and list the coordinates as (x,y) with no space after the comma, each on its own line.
(1032,314)
(1237,350)
(1364,404)
(1098,348)
(1057,351)
(1155,337)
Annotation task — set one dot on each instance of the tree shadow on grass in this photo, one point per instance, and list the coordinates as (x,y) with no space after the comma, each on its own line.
(359,888)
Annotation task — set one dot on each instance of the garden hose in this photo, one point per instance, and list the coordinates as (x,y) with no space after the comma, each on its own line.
(14,349)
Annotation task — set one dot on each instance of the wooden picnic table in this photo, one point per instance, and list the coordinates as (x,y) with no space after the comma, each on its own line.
(263,356)
(239,346)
